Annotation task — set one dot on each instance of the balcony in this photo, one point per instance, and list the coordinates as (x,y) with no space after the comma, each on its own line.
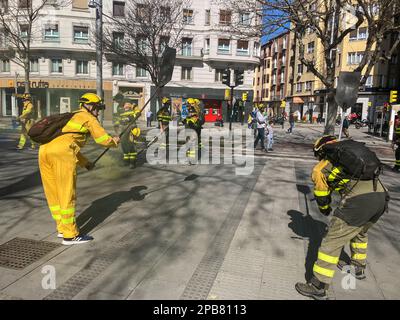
(190,53)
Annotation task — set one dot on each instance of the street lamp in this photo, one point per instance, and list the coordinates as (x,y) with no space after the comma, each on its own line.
(98,5)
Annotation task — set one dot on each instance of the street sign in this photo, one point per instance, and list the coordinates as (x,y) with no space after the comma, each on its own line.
(227,94)
(393,96)
(347,89)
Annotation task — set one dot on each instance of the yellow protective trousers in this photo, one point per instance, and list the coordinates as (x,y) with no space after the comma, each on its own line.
(57,164)
(24,134)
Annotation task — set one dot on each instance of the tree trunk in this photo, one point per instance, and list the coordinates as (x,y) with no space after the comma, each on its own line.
(26,67)
(332,113)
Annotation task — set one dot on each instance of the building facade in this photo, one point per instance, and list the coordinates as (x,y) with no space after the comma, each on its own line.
(63,64)
(271,76)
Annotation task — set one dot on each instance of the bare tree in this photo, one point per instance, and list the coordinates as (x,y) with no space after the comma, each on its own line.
(20,26)
(329,22)
(138,38)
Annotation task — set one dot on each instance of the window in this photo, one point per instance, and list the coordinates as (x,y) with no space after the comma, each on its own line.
(51,32)
(225,17)
(187,16)
(284,43)
(23,4)
(5,65)
(207,46)
(359,34)
(268,63)
(354,57)
(244,18)
(300,68)
(4,5)
(117,69)
(187,47)
(142,44)
(140,72)
(310,47)
(308,85)
(362,33)
(163,43)
(186,73)
(267,80)
(256,49)
(208,17)
(224,46)
(242,48)
(118,39)
(165,13)
(118,9)
(56,65)
(299,87)
(394,59)
(218,75)
(81,34)
(34,65)
(82,67)
(24,29)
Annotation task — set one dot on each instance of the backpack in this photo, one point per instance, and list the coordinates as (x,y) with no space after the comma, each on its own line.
(50,127)
(357,160)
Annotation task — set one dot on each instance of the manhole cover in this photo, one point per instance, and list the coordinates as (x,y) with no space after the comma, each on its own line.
(18,253)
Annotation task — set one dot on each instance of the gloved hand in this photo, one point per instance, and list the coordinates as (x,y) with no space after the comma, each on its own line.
(326,212)
(89,166)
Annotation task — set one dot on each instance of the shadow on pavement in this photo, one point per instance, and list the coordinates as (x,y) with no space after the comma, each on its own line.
(102,208)
(308,229)
(27,182)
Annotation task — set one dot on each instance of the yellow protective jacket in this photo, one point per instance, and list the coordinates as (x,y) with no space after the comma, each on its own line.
(27,112)
(163,114)
(85,125)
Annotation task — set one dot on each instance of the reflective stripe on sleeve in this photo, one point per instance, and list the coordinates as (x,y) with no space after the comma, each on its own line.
(359,245)
(102,138)
(327,258)
(325,272)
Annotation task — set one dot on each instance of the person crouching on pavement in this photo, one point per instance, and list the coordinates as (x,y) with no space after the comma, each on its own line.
(363,203)
(57,164)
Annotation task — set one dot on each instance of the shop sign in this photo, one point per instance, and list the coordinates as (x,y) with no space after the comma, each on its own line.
(34,84)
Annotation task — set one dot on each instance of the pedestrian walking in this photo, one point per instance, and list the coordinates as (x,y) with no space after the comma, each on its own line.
(346,124)
(149,116)
(57,163)
(260,129)
(270,135)
(291,123)
(364,199)
(396,142)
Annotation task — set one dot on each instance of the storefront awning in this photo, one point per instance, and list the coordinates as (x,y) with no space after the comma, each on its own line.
(298,100)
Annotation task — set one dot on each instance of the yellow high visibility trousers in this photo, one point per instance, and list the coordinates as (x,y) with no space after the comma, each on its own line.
(57,164)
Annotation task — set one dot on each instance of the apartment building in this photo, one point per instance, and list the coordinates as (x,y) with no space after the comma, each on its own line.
(306,93)
(208,47)
(63,64)
(271,76)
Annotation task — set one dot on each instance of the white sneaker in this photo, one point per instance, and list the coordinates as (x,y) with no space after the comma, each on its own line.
(77,240)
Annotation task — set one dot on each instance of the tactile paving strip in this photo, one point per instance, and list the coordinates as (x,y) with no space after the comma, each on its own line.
(206,272)
(19,253)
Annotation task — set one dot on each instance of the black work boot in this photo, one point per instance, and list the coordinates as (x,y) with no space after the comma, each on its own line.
(314,289)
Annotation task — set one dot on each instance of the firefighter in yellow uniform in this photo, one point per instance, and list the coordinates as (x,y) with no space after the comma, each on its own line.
(27,121)
(193,122)
(58,160)
(362,204)
(164,118)
(129,140)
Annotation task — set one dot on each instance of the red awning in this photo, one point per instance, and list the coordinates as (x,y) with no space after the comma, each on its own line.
(298,100)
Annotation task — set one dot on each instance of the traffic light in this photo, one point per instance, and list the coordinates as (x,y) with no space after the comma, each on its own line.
(238,78)
(226,77)
(244,96)
(393,96)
